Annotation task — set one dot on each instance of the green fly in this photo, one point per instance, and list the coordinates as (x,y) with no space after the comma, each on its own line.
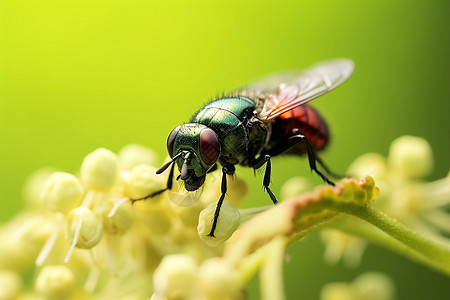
(252,125)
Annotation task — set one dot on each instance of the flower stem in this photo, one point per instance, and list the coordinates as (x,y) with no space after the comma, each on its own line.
(269,259)
(435,254)
(271,275)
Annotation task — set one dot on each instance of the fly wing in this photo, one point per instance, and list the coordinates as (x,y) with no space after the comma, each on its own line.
(282,92)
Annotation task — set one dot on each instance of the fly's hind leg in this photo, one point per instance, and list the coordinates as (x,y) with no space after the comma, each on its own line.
(312,158)
(329,172)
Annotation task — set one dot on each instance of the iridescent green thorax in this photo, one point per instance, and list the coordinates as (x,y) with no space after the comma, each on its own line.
(229,117)
(223,131)
(222,110)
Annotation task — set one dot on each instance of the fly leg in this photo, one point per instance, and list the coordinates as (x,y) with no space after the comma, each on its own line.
(259,162)
(213,168)
(168,187)
(312,158)
(312,161)
(329,172)
(229,169)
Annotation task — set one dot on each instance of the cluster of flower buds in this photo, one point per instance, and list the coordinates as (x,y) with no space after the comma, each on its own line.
(84,237)
(80,237)
(371,285)
(406,196)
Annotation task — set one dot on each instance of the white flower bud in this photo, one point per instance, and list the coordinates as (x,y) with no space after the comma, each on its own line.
(142,181)
(374,286)
(85,227)
(337,291)
(218,280)
(156,218)
(372,164)
(368,286)
(22,238)
(55,282)
(34,185)
(340,245)
(295,186)
(120,221)
(10,285)
(175,277)
(134,155)
(227,223)
(99,170)
(61,192)
(411,156)
(236,193)
(237,190)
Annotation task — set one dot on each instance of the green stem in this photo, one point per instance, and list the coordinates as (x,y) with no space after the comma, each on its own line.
(248,213)
(435,254)
(250,265)
(271,275)
(358,227)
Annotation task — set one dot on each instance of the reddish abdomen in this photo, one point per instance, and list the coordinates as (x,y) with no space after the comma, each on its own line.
(308,122)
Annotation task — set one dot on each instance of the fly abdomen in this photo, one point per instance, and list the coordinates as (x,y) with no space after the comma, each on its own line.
(307,121)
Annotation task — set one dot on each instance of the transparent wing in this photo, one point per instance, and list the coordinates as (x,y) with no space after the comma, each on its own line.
(179,196)
(282,92)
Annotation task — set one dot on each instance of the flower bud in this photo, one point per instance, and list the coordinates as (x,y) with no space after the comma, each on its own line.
(189,215)
(175,277)
(218,280)
(120,221)
(34,185)
(99,170)
(55,282)
(295,186)
(61,192)
(10,285)
(227,223)
(237,190)
(340,245)
(134,155)
(236,193)
(22,238)
(411,156)
(374,286)
(156,218)
(84,225)
(372,164)
(370,286)
(337,291)
(142,181)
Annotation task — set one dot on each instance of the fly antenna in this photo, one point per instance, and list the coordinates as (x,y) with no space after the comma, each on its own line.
(184,169)
(167,164)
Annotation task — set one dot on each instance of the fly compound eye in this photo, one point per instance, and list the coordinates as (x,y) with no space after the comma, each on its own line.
(209,146)
(171,139)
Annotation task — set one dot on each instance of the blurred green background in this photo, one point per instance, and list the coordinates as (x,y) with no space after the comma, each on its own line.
(78,75)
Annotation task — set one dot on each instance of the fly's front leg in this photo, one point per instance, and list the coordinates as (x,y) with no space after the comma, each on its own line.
(213,168)
(230,169)
(168,187)
(259,162)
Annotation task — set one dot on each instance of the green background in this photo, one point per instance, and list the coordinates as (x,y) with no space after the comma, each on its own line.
(78,75)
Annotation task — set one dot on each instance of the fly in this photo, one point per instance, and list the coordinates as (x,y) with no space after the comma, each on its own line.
(252,125)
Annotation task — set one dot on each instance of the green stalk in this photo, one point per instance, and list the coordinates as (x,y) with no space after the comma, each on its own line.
(271,274)
(434,253)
